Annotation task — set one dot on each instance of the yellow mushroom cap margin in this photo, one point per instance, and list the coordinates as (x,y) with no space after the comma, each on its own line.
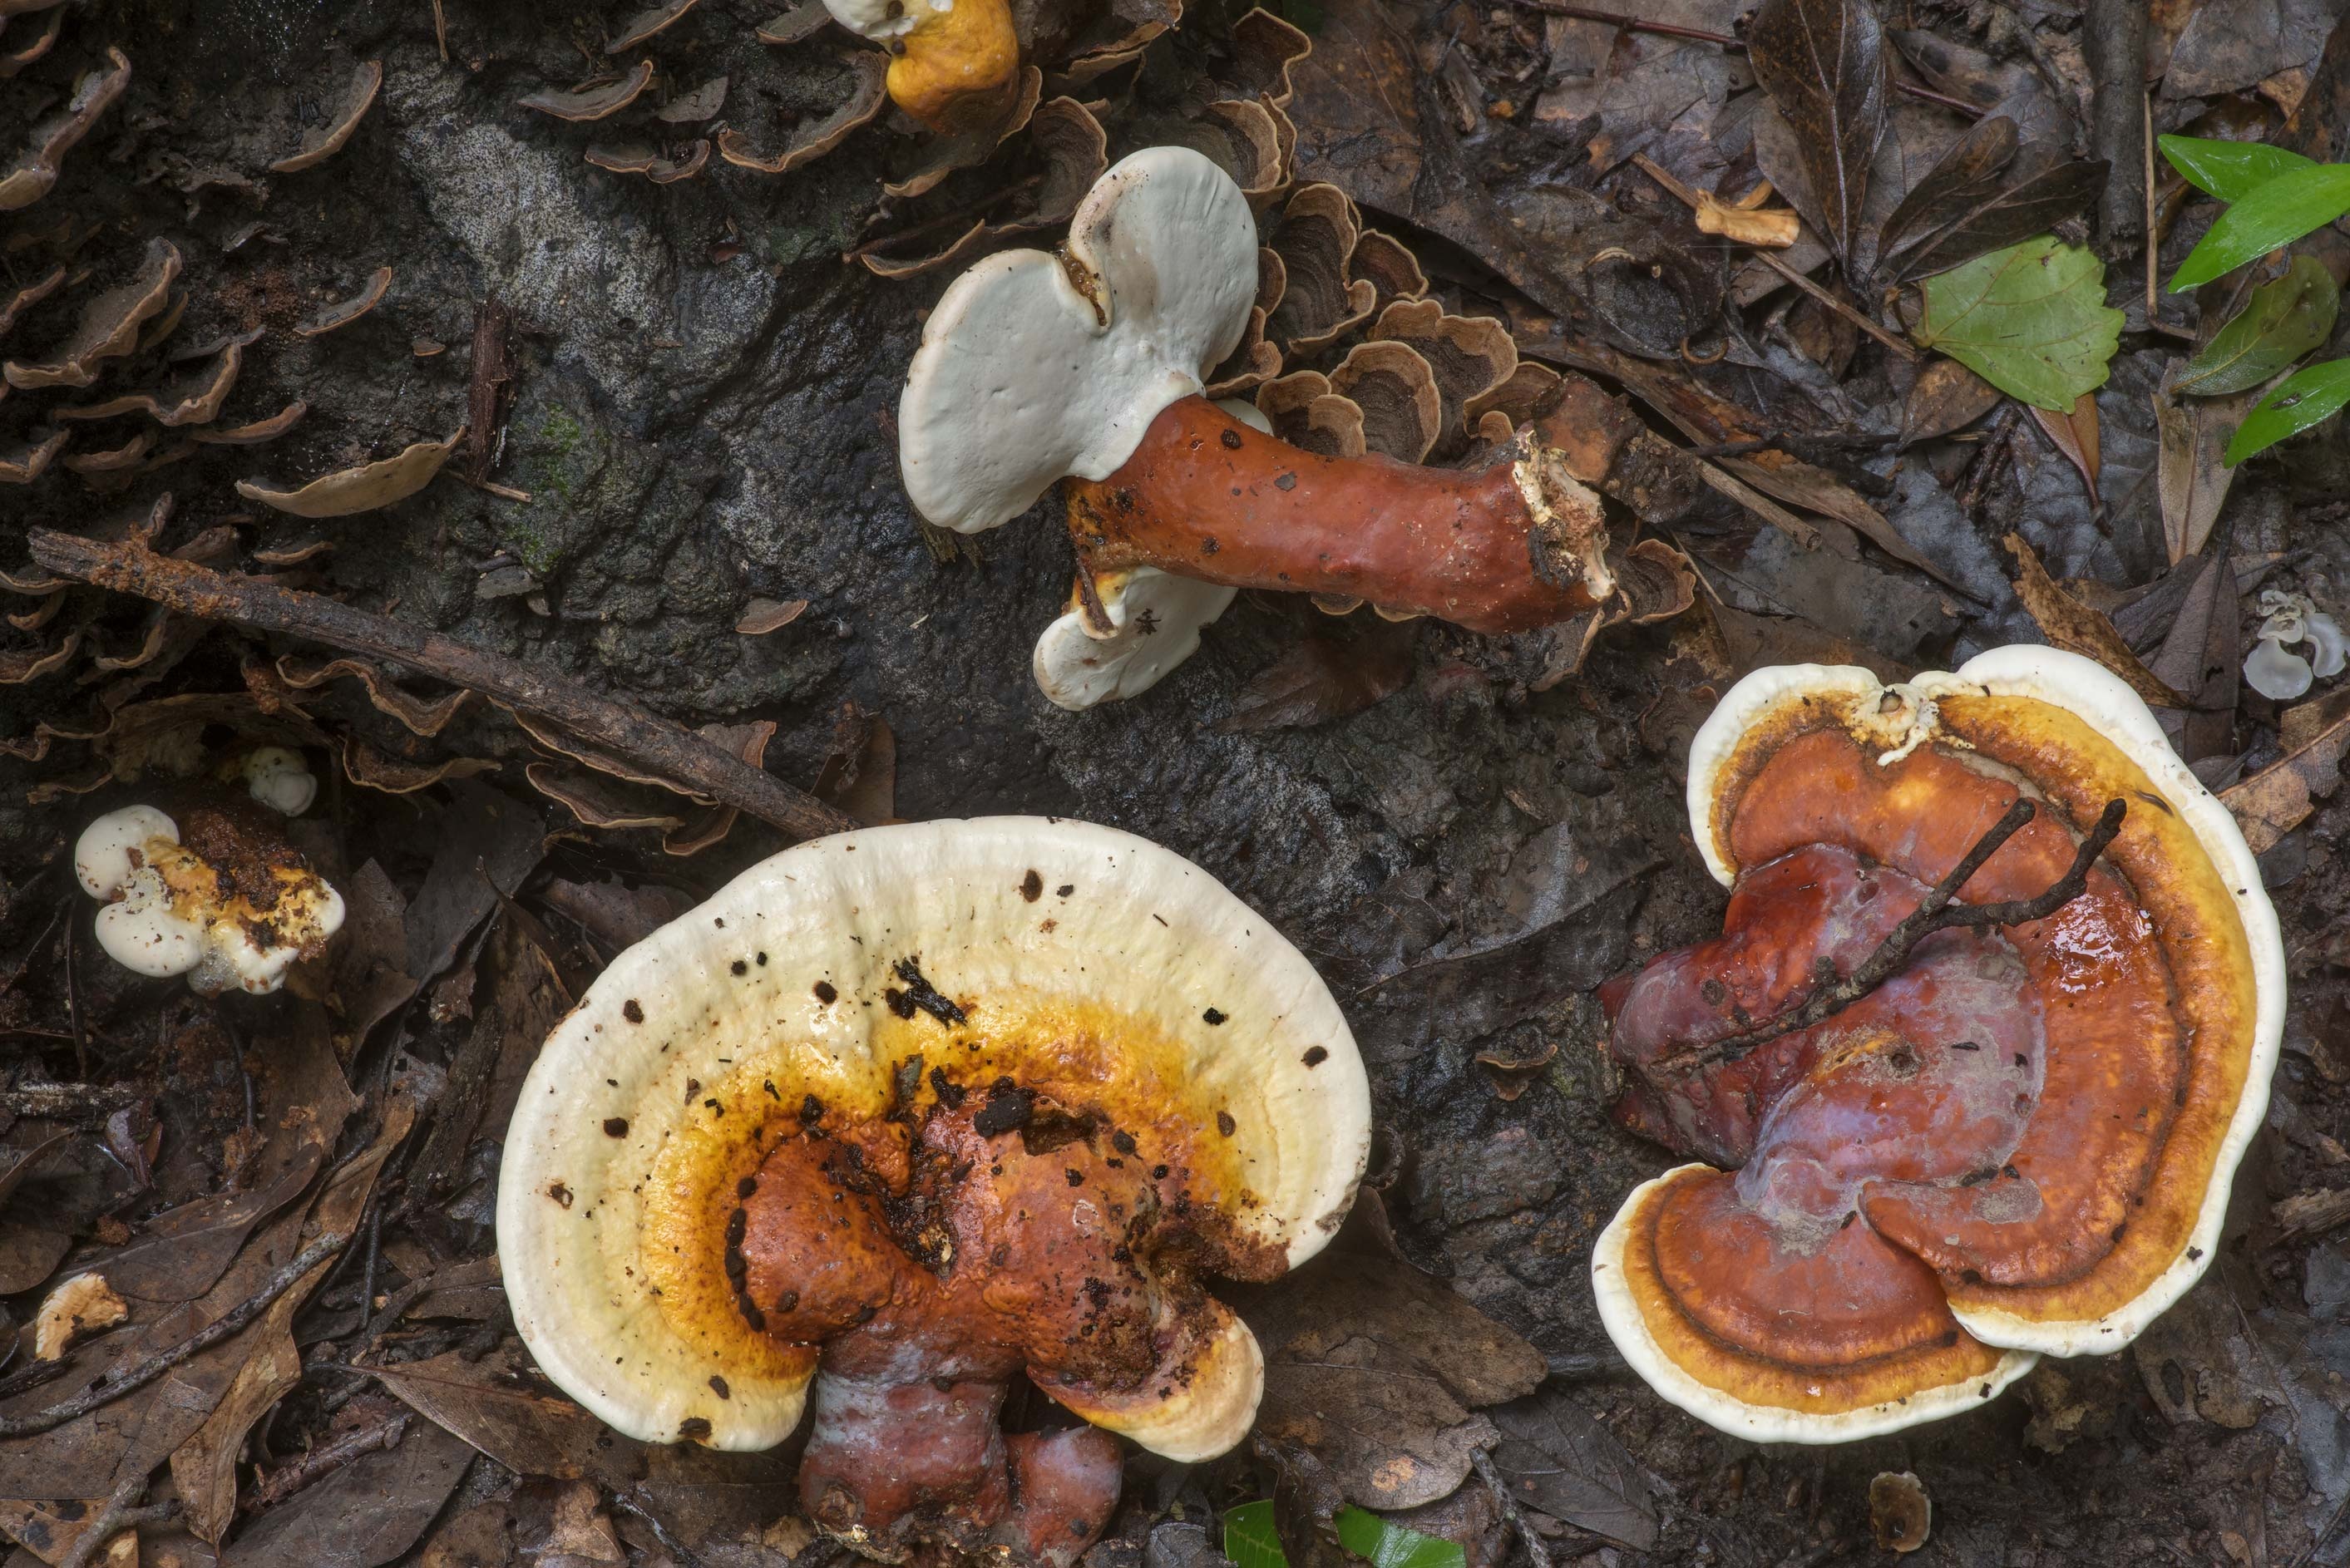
(1091,965)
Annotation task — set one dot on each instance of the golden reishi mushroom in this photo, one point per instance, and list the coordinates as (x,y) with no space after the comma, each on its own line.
(2021,1141)
(903,1112)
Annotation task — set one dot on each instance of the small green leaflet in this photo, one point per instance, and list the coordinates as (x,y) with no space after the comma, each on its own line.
(2282,321)
(2309,397)
(2276,212)
(1250,1539)
(1387,1545)
(1251,1542)
(2030,320)
(2230,170)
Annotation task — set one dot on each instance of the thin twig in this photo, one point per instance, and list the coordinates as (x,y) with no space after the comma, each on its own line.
(229,1323)
(123,1511)
(66,1100)
(1723,40)
(664,749)
(1537,1551)
(1662,176)
(929,225)
(1935,913)
(670,1543)
(296,1475)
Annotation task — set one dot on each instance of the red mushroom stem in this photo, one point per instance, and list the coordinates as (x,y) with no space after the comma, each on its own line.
(1509,546)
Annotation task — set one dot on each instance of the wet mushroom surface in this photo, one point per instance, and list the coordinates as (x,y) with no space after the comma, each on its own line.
(2021,1137)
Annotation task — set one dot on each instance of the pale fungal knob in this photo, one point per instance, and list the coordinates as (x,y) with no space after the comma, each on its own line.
(110,849)
(170,911)
(83,1305)
(140,931)
(279,779)
(2293,619)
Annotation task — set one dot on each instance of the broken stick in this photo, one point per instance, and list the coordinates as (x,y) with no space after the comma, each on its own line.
(662,748)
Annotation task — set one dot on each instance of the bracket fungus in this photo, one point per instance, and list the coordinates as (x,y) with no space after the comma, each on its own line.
(227,903)
(1985,1094)
(903,1112)
(1091,364)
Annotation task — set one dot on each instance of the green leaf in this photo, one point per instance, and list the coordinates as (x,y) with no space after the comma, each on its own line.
(1250,1539)
(2277,212)
(1388,1545)
(2030,320)
(2310,397)
(2230,170)
(2282,321)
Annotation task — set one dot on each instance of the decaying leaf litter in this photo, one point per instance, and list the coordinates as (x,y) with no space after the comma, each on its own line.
(673,400)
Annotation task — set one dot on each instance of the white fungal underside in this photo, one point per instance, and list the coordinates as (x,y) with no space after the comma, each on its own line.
(1024,376)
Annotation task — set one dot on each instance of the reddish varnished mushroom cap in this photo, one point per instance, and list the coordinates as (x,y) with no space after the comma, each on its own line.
(901,1114)
(2020,1143)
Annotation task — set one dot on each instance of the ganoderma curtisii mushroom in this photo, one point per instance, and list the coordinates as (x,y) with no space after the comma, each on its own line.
(2021,1141)
(1090,363)
(902,1112)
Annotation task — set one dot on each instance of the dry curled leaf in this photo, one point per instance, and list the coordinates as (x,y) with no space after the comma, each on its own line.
(1320,679)
(2070,624)
(2280,798)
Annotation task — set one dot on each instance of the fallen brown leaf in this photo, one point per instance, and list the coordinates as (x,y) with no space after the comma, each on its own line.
(2280,798)
(2070,624)
(1320,680)
(1376,1368)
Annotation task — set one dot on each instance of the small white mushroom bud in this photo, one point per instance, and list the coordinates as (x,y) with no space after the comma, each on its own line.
(113,846)
(279,780)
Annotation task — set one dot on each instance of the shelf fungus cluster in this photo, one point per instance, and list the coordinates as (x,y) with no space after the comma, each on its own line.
(220,899)
(1969,1072)
(97,378)
(901,1114)
(1101,364)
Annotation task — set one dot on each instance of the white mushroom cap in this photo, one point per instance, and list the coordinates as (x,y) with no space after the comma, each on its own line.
(1091,965)
(111,848)
(167,912)
(280,780)
(140,930)
(1155,619)
(1036,366)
